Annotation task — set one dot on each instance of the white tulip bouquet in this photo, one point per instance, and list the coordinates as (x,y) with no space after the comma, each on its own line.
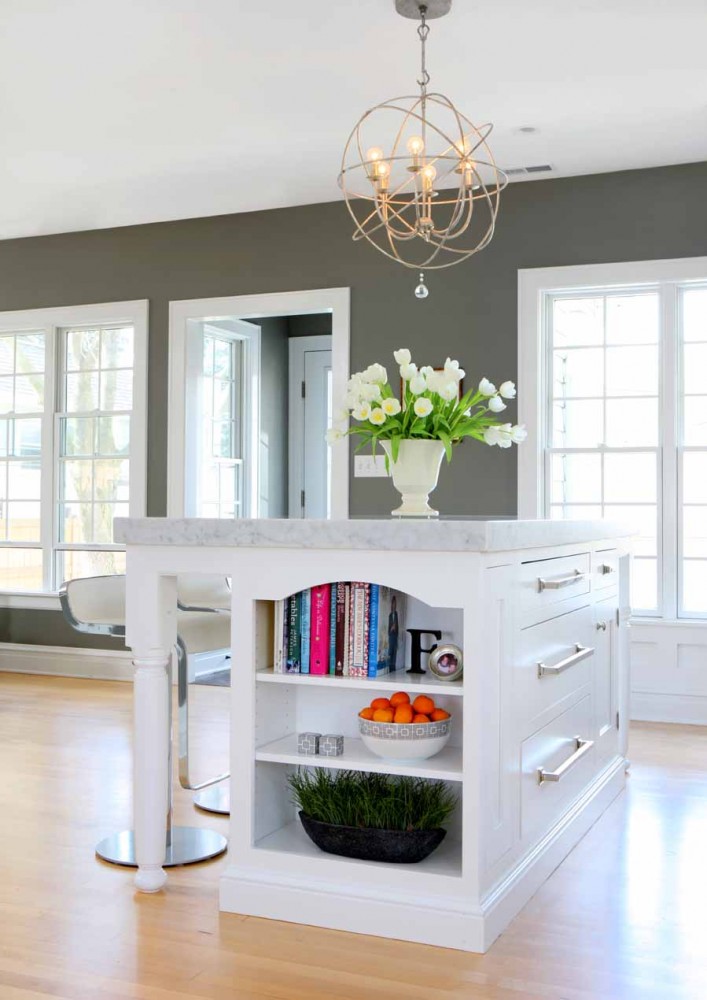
(430,408)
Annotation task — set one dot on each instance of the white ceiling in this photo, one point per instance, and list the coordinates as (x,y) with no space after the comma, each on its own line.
(115,112)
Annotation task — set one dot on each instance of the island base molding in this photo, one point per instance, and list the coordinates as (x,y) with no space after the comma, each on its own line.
(446,922)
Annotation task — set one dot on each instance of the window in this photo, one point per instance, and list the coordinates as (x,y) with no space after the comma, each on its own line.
(72,440)
(615,371)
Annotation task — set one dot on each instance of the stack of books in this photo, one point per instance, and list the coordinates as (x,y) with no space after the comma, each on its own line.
(342,629)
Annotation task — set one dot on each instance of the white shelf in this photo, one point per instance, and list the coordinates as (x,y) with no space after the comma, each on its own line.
(444,766)
(399,681)
(292,840)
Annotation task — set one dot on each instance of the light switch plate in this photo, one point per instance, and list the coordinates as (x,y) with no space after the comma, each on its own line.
(370,466)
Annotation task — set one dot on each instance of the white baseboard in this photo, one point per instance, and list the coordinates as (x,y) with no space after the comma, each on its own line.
(66,661)
(653,706)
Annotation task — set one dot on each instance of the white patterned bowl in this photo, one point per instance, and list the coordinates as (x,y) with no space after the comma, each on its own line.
(405,741)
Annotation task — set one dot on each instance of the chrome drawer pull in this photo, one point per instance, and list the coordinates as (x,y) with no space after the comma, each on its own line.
(580,653)
(561,581)
(582,747)
(605,569)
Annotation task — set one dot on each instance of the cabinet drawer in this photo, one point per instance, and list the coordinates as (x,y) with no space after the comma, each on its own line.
(605,569)
(553,659)
(566,767)
(545,584)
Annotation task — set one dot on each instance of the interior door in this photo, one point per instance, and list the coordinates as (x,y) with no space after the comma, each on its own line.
(310,415)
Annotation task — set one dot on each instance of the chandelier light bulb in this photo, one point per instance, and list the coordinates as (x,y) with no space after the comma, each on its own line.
(429,174)
(374,154)
(415,145)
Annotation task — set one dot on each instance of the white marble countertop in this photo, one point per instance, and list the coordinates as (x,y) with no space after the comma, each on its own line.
(394,534)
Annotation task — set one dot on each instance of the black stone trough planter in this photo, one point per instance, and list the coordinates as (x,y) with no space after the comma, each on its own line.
(403,847)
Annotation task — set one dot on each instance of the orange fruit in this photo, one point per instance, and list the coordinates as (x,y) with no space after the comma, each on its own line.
(366,713)
(399,698)
(423,705)
(383,715)
(403,714)
(439,714)
(421,718)
(380,703)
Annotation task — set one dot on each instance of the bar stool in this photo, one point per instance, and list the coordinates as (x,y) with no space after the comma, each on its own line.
(199,594)
(96,605)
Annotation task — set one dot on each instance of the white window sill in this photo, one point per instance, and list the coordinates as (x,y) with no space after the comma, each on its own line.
(668,622)
(30,600)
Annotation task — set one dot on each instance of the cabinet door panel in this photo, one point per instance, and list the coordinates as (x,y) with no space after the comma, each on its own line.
(606,658)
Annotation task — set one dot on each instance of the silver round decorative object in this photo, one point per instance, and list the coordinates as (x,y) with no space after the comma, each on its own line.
(422,291)
(447,662)
(420,181)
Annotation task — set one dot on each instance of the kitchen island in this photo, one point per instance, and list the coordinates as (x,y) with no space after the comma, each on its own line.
(538,744)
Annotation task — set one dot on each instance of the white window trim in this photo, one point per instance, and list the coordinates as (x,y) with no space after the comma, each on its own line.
(254,307)
(50,320)
(534,285)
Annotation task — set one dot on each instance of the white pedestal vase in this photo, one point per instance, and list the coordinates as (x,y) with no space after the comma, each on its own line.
(415,475)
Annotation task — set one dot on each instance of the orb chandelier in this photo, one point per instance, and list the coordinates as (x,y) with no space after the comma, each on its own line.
(426,196)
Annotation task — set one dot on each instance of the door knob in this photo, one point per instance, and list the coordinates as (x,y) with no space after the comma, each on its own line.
(601,626)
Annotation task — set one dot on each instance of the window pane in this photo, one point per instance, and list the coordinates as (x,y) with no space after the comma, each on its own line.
(576,512)
(223,359)
(112,479)
(113,435)
(631,423)
(82,392)
(694,368)
(7,355)
(82,350)
(20,569)
(695,420)
(7,394)
(76,522)
(23,480)
(29,393)
(694,585)
(632,319)
(222,446)
(576,478)
(23,521)
(632,371)
(4,434)
(579,372)
(30,352)
(25,437)
(76,480)
(208,355)
(103,520)
(644,584)
(578,321)
(578,424)
(116,390)
(694,532)
(641,519)
(630,478)
(223,395)
(72,564)
(78,435)
(694,313)
(694,477)
(117,348)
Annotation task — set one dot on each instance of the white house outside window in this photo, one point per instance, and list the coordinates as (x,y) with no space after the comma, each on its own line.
(613,361)
(72,440)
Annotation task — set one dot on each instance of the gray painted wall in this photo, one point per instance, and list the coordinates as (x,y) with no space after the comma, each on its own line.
(470,313)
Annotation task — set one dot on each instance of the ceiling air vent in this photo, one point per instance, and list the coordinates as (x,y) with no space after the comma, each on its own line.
(540,168)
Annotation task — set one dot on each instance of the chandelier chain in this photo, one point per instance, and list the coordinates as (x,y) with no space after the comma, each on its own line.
(423,31)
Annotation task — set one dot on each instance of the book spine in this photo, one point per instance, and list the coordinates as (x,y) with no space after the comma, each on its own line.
(319,648)
(277,658)
(348,620)
(341,628)
(373,630)
(333,595)
(359,637)
(305,629)
(294,647)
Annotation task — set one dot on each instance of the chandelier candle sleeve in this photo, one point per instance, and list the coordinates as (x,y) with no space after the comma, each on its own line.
(426,196)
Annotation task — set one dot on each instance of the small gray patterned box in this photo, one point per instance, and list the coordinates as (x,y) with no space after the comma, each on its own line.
(331,745)
(308,743)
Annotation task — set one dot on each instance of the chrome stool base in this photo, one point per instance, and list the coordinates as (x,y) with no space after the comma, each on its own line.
(216,799)
(189,844)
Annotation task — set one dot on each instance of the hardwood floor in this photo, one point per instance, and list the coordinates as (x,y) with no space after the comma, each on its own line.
(625,916)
